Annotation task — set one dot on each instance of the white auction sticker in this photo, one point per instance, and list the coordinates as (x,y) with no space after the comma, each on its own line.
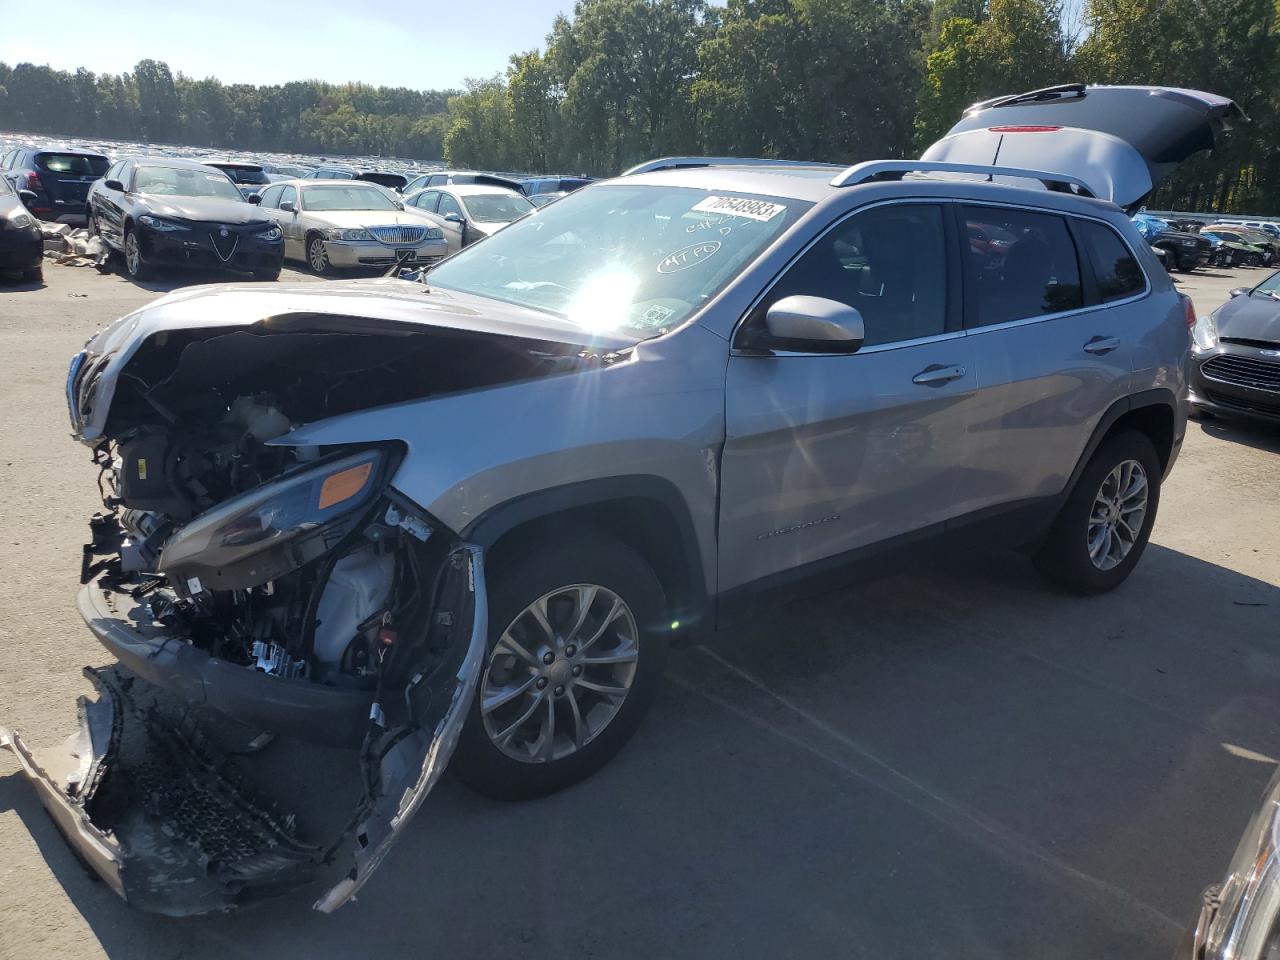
(740,207)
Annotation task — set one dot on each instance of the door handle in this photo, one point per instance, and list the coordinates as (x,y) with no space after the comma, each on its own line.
(1100,345)
(935,375)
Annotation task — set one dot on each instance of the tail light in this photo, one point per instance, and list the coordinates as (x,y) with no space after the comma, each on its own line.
(1188,310)
(33,181)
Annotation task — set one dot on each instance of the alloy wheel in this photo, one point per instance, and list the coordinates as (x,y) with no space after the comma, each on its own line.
(559,673)
(1119,511)
(317,256)
(132,254)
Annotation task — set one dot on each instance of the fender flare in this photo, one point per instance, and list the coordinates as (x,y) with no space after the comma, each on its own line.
(1158,397)
(693,608)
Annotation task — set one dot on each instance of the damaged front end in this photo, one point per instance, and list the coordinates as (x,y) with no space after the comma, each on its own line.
(267,588)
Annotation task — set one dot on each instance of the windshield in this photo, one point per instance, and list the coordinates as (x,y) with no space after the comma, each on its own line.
(184,182)
(346,197)
(496,207)
(635,258)
(1269,287)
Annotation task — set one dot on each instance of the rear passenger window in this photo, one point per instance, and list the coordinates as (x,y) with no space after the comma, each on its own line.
(889,262)
(1020,265)
(1114,265)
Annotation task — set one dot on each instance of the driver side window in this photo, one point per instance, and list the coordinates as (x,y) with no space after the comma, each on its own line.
(448,205)
(890,263)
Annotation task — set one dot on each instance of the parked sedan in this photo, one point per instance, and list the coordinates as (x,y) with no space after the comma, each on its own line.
(350,224)
(166,211)
(470,212)
(1233,253)
(1234,366)
(58,178)
(21,245)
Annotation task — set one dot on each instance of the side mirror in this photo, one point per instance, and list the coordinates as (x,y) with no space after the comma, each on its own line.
(454,218)
(288,206)
(399,205)
(815,325)
(254,198)
(113,185)
(27,197)
(1240,292)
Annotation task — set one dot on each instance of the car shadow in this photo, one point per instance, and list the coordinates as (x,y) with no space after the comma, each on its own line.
(958,756)
(20,286)
(1258,434)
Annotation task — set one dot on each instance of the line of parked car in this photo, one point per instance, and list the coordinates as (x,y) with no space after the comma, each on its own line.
(249,217)
(1184,245)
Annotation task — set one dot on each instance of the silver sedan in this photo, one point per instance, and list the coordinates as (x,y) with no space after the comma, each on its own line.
(344,224)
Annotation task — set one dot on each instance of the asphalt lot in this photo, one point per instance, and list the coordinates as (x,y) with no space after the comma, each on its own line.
(961,762)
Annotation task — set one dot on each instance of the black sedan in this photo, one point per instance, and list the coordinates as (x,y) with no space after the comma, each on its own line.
(1235,354)
(21,245)
(163,211)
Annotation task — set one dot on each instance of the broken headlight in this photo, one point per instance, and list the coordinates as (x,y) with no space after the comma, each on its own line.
(259,536)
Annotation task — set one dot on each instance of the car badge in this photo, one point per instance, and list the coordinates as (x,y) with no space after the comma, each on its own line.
(223,232)
(1270,353)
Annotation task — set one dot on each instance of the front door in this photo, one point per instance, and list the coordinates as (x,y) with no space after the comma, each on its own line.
(825,454)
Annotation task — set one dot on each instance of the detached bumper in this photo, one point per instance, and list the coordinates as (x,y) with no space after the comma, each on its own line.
(346,253)
(309,711)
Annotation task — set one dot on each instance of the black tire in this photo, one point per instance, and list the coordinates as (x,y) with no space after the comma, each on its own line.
(1186,266)
(135,263)
(1063,557)
(34,275)
(317,257)
(587,559)
(267,275)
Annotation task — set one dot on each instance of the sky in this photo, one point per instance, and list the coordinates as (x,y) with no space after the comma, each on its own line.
(432,45)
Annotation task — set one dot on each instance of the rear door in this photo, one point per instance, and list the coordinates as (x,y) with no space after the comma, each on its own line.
(1122,141)
(1055,326)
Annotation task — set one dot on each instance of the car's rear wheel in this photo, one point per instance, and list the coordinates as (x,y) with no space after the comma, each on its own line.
(1103,529)
(576,652)
(318,256)
(135,261)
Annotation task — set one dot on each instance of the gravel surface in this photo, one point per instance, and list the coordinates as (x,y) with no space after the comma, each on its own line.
(960,762)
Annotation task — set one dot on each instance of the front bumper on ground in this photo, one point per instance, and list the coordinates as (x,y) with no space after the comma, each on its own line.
(241,251)
(371,253)
(1236,380)
(155,809)
(309,711)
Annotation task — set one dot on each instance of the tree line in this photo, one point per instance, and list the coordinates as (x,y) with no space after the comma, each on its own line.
(620,81)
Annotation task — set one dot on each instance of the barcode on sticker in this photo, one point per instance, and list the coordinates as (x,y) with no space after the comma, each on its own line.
(740,207)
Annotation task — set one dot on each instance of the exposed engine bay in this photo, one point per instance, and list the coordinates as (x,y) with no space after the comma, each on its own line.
(289,588)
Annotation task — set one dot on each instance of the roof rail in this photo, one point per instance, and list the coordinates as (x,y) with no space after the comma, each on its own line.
(896,169)
(676,163)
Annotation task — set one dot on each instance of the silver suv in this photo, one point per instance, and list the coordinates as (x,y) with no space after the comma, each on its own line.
(465,513)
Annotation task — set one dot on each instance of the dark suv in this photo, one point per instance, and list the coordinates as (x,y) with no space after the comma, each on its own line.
(58,176)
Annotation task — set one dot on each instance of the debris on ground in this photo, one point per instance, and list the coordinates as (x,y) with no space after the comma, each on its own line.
(72,247)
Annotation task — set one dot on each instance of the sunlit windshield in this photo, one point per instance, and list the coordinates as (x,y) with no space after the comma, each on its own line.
(346,197)
(496,207)
(636,258)
(184,182)
(1269,287)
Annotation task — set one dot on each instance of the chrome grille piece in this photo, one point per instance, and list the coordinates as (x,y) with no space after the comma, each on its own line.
(398,234)
(1243,371)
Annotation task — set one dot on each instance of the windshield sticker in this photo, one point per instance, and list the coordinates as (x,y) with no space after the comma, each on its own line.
(739,207)
(654,316)
(689,256)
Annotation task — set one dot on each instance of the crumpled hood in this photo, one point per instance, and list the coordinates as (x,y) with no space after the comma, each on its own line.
(355,306)
(1250,318)
(207,209)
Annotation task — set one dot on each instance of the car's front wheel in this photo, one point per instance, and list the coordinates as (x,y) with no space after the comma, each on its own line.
(576,653)
(318,256)
(1103,528)
(135,261)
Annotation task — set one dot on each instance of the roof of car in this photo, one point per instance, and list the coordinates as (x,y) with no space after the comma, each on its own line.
(157,160)
(473,189)
(238,164)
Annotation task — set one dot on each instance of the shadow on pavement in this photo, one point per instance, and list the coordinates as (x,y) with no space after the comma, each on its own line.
(959,762)
(1257,434)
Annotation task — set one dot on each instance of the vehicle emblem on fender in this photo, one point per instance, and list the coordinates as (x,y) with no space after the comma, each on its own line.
(223,233)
